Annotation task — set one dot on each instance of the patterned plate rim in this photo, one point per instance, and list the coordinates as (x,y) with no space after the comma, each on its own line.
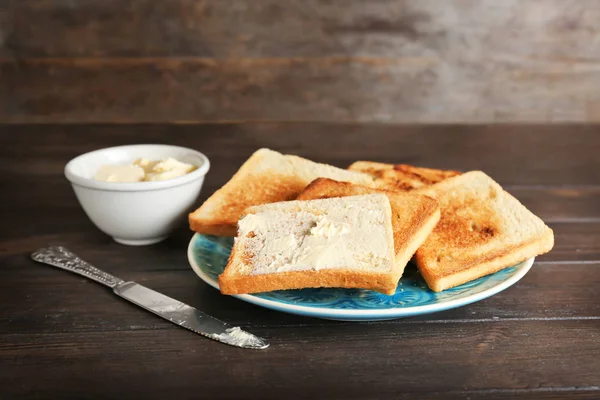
(392,312)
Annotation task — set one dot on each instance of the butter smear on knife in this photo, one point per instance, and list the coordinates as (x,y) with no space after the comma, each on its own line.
(238,337)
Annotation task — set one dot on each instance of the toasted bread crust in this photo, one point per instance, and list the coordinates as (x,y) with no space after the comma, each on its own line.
(478,268)
(401,177)
(339,278)
(230,283)
(475,236)
(413,216)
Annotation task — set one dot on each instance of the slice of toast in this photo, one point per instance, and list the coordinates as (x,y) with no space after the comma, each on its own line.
(342,242)
(401,177)
(413,216)
(266,177)
(483,229)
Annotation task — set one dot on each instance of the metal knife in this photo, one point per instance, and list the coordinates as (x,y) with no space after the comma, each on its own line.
(170,309)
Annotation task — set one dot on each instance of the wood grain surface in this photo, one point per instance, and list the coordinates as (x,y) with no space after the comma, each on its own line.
(395,61)
(62,336)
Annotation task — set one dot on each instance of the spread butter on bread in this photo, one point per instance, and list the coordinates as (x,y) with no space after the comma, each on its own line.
(413,216)
(482,230)
(266,177)
(401,177)
(345,242)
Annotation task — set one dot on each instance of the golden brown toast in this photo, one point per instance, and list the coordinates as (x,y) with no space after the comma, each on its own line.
(266,177)
(482,230)
(339,242)
(401,177)
(413,216)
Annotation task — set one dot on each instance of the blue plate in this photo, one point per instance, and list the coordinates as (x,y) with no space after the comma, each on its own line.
(208,256)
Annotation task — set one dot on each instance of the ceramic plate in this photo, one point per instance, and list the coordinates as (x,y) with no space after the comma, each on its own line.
(208,256)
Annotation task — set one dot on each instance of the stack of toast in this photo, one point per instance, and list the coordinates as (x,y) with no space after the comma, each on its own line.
(300,224)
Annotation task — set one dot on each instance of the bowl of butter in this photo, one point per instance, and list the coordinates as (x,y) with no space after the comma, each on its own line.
(138,194)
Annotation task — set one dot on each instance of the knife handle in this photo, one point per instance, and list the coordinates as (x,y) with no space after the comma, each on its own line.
(61,257)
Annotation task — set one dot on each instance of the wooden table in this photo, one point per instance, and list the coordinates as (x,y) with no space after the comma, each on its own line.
(62,336)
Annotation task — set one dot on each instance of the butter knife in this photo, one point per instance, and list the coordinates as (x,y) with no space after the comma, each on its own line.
(170,309)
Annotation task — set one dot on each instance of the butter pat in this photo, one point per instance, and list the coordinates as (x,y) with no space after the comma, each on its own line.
(327,228)
(238,337)
(120,173)
(163,169)
(144,169)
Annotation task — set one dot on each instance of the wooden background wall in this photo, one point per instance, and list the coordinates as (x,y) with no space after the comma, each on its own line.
(392,61)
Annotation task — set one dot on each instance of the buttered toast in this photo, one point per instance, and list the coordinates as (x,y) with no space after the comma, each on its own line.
(340,242)
(266,177)
(413,216)
(401,177)
(482,229)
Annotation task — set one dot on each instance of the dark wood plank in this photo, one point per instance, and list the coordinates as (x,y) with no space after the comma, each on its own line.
(452,30)
(548,293)
(165,90)
(335,89)
(560,204)
(400,61)
(574,242)
(560,155)
(541,393)
(308,362)
(553,205)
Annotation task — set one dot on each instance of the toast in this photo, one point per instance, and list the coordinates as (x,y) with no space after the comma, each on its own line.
(266,177)
(342,242)
(401,177)
(413,216)
(482,230)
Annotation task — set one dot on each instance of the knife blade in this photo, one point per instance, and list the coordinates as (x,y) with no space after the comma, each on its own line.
(166,307)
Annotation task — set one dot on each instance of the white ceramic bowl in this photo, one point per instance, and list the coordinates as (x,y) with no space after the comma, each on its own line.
(137,213)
